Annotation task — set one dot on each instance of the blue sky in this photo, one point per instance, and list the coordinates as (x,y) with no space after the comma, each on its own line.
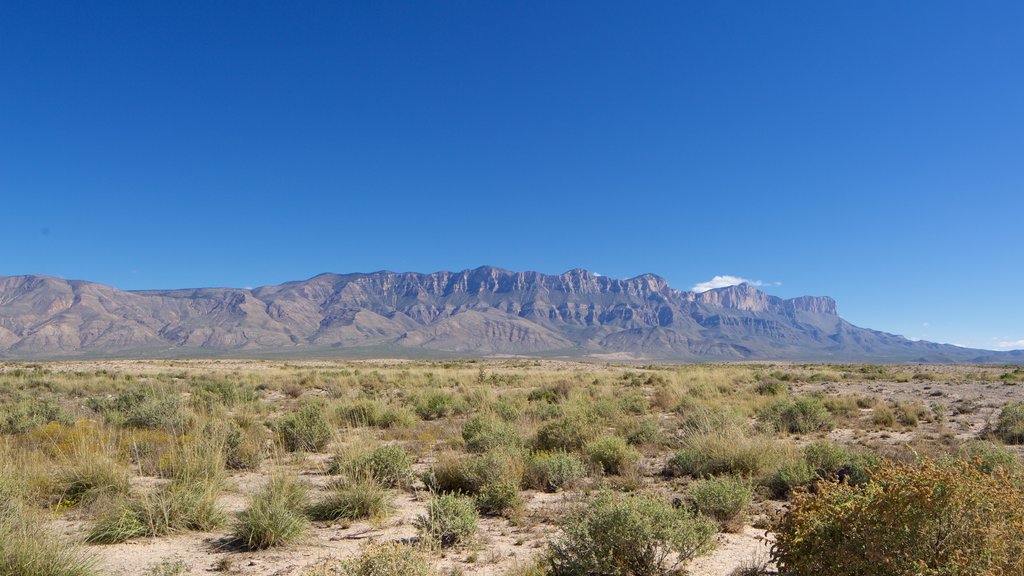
(871,151)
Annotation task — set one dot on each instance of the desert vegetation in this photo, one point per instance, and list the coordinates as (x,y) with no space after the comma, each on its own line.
(314,468)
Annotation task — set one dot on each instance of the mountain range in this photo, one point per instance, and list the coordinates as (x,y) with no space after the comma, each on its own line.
(481,312)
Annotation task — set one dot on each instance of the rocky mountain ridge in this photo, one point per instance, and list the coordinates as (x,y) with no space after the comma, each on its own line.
(483,311)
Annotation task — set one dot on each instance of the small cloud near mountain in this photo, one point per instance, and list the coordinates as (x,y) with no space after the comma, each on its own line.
(726,280)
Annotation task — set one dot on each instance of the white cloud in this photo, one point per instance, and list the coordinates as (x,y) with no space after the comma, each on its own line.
(723,281)
(1017,344)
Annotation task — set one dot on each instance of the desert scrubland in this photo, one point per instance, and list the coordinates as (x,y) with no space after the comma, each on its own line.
(518,467)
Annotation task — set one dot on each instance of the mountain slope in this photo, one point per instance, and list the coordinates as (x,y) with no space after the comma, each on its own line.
(481,311)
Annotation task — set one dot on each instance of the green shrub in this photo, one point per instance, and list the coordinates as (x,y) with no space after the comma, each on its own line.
(389,465)
(482,433)
(789,475)
(450,519)
(770,387)
(552,471)
(570,433)
(639,431)
(144,407)
(353,499)
(25,413)
(634,402)
(435,405)
(611,454)
(389,559)
(27,550)
(274,516)
(936,518)
(499,498)
(1010,427)
(723,498)
(305,430)
(796,416)
(822,461)
(614,535)
(993,458)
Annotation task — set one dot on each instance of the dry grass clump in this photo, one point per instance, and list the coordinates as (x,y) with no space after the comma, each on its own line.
(388,559)
(28,550)
(274,516)
(353,498)
(729,451)
(187,502)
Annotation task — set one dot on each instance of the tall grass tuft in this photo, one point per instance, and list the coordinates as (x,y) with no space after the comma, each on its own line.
(274,516)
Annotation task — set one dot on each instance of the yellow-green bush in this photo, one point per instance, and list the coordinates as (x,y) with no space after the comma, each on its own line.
(927,518)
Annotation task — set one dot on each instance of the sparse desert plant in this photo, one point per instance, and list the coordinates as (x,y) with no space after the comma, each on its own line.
(435,405)
(28,550)
(176,507)
(167,568)
(274,516)
(245,447)
(390,464)
(640,431)
(353,499)
(24,413)
(770,387)
(499,498)
(883,416)
(724,452)
(993,458)
(796,415)
(552,471)
(610,454)
(305,430)
(469,474)
(911,413)
(1010,427)
(570,433)
(922,518)
(90,477)
(615,535)
(722,498)
(390,559)
(483,432)
(451,519)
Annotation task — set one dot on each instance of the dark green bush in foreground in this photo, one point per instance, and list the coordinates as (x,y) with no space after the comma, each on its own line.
(634,535)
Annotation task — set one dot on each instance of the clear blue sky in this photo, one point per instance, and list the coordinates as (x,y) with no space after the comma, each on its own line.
(868,150)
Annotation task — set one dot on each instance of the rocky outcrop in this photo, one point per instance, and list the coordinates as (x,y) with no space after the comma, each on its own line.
(481,311)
